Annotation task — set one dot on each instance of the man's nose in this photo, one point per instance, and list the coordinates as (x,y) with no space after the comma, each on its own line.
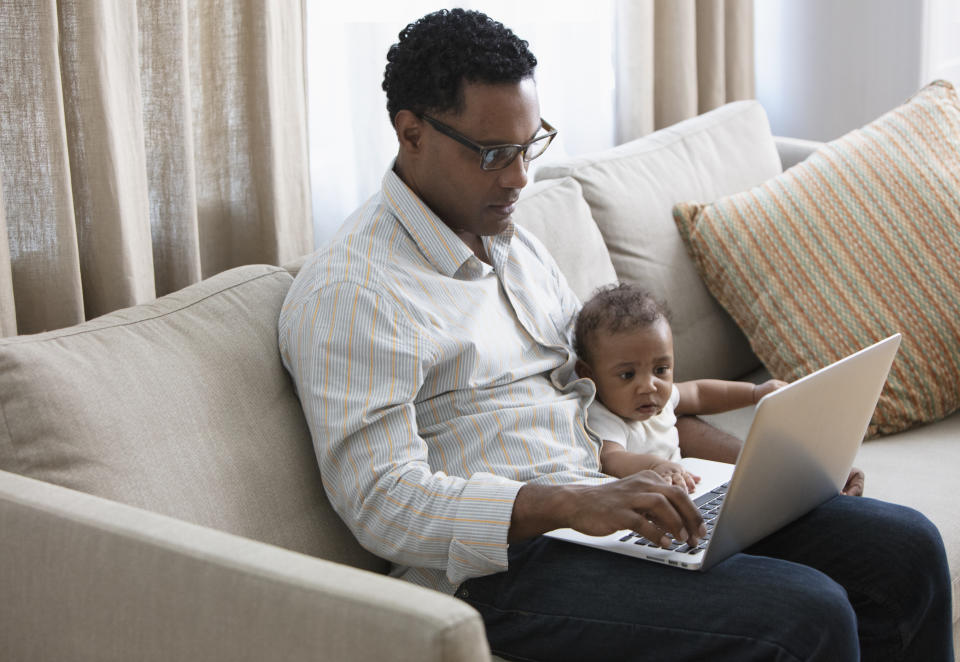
(515,174)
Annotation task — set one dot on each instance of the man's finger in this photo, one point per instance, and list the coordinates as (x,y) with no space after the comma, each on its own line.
(671,511)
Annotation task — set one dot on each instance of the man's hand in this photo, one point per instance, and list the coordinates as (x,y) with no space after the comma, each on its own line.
(855,480)
(642,502)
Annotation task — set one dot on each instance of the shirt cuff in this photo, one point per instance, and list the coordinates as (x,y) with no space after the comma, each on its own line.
(481,526)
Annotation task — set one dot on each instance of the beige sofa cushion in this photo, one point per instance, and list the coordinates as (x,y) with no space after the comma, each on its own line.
(555,211)
(180,406)
(631,190)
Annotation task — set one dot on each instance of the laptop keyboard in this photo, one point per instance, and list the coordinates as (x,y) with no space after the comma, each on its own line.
(709,506)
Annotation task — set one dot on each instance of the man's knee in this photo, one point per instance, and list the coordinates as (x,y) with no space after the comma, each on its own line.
(830,625)
(806,614)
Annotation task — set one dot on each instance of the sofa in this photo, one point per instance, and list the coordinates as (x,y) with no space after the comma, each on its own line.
(159,495)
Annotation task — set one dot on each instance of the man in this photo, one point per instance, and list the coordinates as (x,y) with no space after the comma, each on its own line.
(430,346)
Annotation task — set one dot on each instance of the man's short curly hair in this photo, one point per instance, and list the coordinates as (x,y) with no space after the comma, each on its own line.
(426,68)
(615,308)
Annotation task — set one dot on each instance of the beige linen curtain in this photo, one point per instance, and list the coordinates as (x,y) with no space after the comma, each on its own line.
(679,58)
(144,145)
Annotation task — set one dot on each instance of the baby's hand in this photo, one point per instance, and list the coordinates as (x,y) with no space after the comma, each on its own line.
(675,474)
(768,386)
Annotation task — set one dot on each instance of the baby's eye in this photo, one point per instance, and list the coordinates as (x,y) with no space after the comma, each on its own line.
(662,370)
(626,376)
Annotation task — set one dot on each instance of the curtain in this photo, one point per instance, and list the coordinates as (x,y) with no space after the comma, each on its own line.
(145,145)
(679,58)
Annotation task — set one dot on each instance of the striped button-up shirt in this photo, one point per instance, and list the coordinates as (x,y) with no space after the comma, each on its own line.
(435,385)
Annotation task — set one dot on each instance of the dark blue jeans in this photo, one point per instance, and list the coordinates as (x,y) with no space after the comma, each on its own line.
(854,579)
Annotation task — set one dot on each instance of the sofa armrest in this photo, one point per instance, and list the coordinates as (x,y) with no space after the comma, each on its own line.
(85,578)
(794,150)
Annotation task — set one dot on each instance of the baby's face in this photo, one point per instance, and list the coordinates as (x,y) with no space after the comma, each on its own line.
(633,370)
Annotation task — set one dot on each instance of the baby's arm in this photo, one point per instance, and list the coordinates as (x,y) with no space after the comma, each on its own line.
(617,461)
(712,396)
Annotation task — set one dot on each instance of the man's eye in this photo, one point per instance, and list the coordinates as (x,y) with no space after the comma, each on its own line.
(491,158)
(495,159)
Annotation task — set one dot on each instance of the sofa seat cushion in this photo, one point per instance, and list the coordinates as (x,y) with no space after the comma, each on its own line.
(858,242)
(554,210)
(631,190)
(180,406)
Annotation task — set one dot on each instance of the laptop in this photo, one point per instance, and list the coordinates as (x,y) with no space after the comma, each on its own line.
(797,455)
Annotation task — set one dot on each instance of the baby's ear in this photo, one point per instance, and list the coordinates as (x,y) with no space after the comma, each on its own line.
(583,370)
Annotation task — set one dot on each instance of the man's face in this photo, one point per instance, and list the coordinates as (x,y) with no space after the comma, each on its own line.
(633,370)
(448,176)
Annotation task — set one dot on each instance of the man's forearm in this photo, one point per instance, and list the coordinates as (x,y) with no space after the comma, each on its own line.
(700,439)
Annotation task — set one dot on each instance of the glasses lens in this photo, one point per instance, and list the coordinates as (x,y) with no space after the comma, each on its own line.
(496,159)
(537,147)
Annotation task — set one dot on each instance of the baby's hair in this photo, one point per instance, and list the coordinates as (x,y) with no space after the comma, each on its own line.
(614,308)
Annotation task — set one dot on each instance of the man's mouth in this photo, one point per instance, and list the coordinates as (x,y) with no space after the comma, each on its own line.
(506,208)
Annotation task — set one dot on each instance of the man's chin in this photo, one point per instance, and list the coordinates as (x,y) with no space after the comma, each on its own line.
(495,223)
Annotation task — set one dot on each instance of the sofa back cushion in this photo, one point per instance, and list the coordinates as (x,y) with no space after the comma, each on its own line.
(631,190)
(555,211)
(180,406)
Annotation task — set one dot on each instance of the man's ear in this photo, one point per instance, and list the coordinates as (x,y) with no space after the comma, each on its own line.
(583,370)
(409,130)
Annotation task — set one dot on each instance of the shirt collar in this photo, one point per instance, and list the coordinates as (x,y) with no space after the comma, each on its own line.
(438,243)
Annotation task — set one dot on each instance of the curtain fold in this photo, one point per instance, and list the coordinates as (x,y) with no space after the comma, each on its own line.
(8,309)
(679,58)
(44,273)
(100,82)
(144,146)
(164,30)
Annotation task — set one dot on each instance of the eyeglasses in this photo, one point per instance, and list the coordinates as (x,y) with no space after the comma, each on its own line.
(497,157)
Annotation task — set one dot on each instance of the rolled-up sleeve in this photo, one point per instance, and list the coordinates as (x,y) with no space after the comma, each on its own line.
(358,364)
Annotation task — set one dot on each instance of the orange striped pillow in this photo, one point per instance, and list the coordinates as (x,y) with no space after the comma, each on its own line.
(859,241)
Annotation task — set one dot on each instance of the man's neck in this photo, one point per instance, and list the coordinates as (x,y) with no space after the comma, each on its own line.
(475,243)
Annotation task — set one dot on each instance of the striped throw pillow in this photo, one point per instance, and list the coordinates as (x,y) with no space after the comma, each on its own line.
(858,242)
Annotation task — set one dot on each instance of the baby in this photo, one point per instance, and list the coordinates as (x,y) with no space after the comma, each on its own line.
(624,344)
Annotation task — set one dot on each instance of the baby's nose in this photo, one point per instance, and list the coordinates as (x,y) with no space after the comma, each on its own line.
(646,385)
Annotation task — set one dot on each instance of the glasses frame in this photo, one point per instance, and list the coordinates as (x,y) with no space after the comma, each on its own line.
(483,150)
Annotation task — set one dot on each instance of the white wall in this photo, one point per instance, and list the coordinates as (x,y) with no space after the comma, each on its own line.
(942,41)
(825,67)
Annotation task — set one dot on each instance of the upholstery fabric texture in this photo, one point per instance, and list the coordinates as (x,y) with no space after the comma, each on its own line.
(631,190)
(555,211)
(86,578)
(859,241)
(216,436)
